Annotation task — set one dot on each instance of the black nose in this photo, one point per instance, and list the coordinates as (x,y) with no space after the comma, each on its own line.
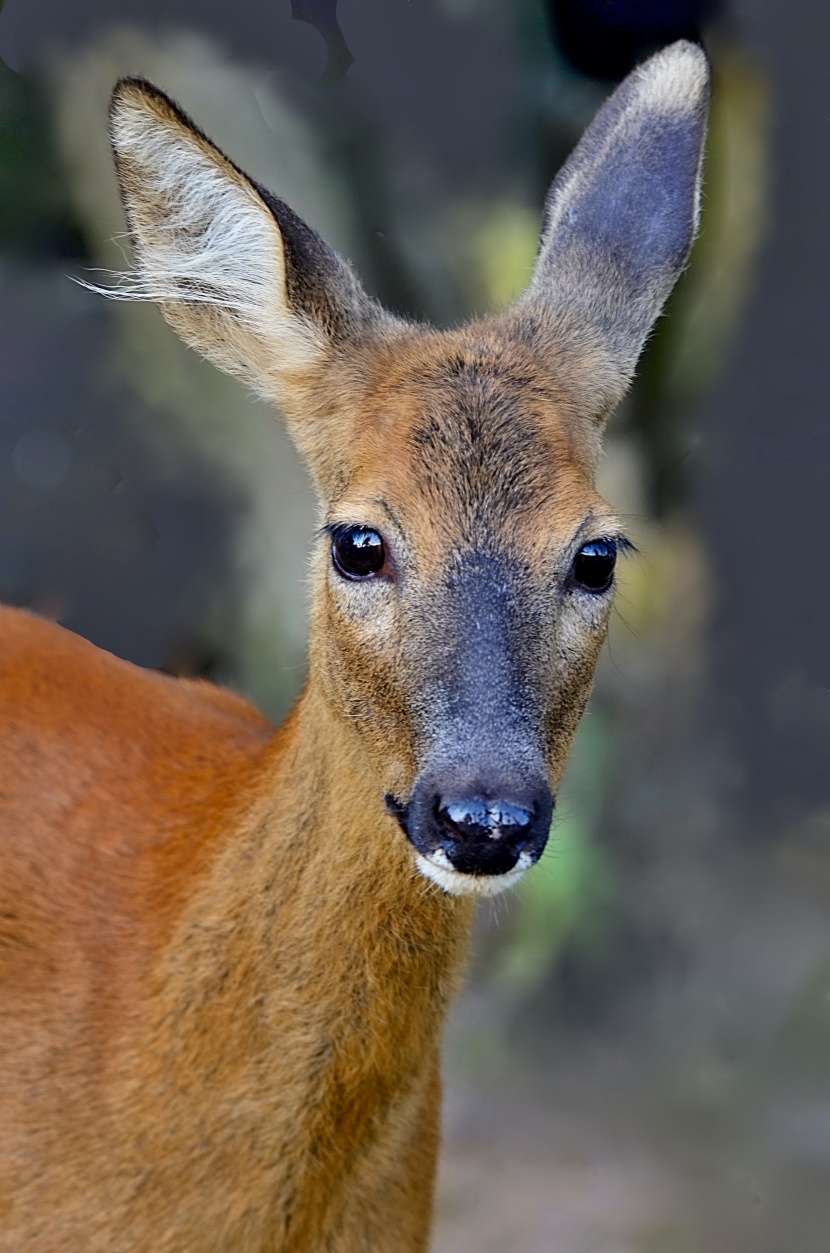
(481,835)
(480,826)
(485,820)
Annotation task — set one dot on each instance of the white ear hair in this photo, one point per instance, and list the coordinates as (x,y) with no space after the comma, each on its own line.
(236,272)
(204,242)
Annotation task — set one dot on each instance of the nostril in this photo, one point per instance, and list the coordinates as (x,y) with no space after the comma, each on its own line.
(486,819)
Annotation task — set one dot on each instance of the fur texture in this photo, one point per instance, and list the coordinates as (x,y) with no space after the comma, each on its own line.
(225,958)
(621,217)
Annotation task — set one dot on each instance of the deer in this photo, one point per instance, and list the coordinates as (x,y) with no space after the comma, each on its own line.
(227,951)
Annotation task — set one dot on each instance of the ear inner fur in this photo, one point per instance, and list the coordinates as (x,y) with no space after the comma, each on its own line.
(234,270)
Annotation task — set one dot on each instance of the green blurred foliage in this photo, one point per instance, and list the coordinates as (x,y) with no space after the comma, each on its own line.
(803,1044)
(566,903)
(36,218)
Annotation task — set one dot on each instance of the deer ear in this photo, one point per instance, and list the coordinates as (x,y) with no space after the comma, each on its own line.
(620,220)
(240,277)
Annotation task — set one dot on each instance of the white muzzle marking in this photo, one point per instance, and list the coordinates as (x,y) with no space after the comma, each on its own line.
(438,867)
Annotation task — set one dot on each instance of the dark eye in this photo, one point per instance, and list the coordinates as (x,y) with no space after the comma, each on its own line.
(593,567)
(357,552)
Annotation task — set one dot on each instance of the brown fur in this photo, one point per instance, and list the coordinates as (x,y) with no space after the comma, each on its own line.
(222,978)
(196,1054)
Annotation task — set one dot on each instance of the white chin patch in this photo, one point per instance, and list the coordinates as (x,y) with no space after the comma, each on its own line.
(440,870)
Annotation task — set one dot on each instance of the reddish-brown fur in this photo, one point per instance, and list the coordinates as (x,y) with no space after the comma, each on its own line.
(180,1017)
(222,977)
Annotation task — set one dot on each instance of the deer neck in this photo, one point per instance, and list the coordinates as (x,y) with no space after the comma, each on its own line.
(312,929)
(352,868)
(292,1028)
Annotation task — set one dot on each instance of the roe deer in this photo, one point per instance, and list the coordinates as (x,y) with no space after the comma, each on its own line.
(226,952)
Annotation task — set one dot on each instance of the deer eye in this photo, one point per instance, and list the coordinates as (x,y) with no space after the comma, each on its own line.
(357,552)
(593,567)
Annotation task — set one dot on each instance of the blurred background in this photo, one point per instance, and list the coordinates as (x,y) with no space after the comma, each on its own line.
(640,1062)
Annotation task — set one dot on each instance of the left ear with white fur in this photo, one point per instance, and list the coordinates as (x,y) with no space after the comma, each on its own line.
(241,278)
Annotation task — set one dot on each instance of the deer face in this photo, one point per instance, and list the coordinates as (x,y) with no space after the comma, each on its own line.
(464,572)
(464,580)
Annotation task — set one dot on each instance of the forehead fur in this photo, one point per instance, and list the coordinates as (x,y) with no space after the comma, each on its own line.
(472,426)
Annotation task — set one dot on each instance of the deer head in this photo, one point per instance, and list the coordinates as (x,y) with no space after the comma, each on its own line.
(464,573)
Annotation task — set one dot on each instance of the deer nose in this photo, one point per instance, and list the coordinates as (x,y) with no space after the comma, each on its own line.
(487,835)
(485,820)
(477,828)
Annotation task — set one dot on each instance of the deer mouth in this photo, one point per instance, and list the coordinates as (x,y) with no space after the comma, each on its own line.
(438,868)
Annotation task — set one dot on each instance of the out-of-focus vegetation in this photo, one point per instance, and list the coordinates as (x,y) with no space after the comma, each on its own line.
(640,1061)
